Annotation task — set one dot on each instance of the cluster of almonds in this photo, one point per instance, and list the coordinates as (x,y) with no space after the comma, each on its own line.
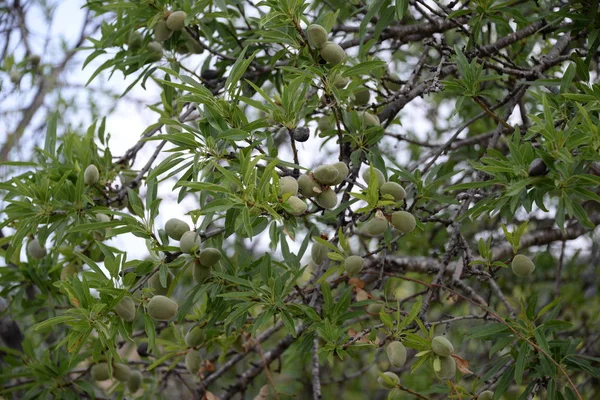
(121,372)
(403,221)
(317,184)
(330,51)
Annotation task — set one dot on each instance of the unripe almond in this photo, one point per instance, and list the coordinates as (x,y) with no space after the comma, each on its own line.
(325,174)
(99,372)
(325,124)
(369,119)
(154,283)
(442,346)
(189,241)
(121,372)
(376,226)
(175,228)
(318,253)
(403,221)
(366,175)
(393,86)
(194,337)
(193,361)
(126,309)
(155,50)
(343,171)
(68,270)
(396,353)
(176,21)
(538,168)
(162,308)
(91,175)
(192,44)
(317,36)
(395,394)
(327,199)
(101,233)
(447,368)
(15,76)
(486,395)
(135,381)
(353,265)
(389,381)
(298,206)
(522,266)
(362,97)
(34,59)
(394,190)
(161,32)
(36,250)
(209,257)
(340,82)
(102,217)
(135,40)
(307,186)
(374,308)
(200,272)
(333,53)
(288,184)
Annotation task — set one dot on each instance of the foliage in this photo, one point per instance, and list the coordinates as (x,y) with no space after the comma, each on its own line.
(275,311)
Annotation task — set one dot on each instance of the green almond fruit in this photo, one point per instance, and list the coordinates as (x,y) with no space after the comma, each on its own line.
(326,174)
(121,372)
(135,381)
(442,346)
(35,249)
(288,184)
(195,337)
(362,97)
(200,273)
(193,361)
(366,175)
(192,44)
(396,394)
(327,199)
(333,53)
(389,380)
(486,395)
(209,257)
(343,172)
(393,86)
(15,76)
(396,353)
(447,368)
(154,283)
(317,36)
(161,33)
(162,308)
(175,228)
(102,217)
(155,50)
(325,124)
(369,119)
(404,221)
(189,242)
(34,59)
(394,190)
(341,82)
(91,175)
(176,21)
(134,41)
(307,186)
(126,309)
(538,168)
(318,253)
(298,206)
(353,265)
(522,266)
(376,226)
(374,308)
(99,372)
(68,270)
